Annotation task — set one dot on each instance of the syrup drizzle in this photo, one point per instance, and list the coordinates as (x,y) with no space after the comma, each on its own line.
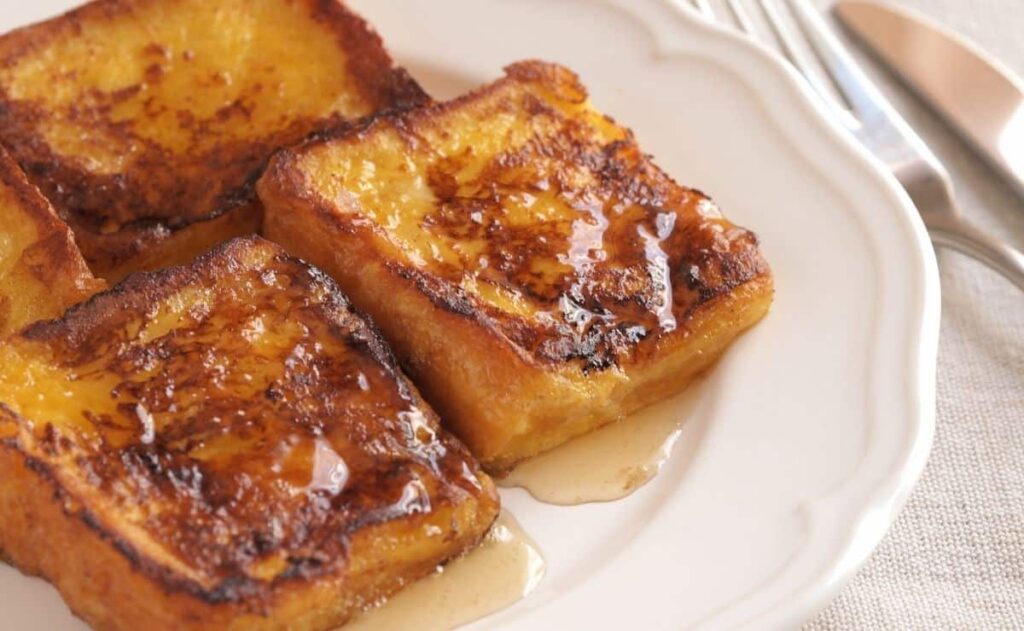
(501,571)
(609,463)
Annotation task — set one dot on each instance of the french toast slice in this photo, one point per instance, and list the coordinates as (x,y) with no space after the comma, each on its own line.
(536,273)
(225,446)
(147,122)
(42,273)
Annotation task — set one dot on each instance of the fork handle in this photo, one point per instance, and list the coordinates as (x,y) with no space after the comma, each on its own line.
(955,232)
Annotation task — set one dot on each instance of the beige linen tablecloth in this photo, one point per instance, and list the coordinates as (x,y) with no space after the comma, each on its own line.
(955,557)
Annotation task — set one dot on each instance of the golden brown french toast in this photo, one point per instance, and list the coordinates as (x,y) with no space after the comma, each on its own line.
(42,273)
(536,273)
(225,446)
(146,122)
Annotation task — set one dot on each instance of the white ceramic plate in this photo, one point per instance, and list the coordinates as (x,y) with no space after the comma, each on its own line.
(812,430)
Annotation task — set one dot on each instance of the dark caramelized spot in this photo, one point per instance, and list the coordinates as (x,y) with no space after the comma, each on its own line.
(238,413)
(523,204)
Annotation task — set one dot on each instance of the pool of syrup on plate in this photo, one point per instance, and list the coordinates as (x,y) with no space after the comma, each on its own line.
(611,462)
(605,465)
(501,571)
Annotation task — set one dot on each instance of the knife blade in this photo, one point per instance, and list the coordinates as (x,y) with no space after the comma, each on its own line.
(978,96)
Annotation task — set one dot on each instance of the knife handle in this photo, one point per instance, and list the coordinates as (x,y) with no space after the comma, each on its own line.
(955,232)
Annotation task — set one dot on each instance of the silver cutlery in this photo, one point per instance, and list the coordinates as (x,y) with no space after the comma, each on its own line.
(797,28)
(978,96)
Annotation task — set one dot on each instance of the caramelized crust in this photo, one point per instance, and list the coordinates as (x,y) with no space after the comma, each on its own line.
(144,119)
(537,273)
(42,273)
(233,447)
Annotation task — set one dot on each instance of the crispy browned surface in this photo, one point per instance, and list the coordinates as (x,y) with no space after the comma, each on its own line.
(142,118)
(42,273)
(535,271)
(225,445)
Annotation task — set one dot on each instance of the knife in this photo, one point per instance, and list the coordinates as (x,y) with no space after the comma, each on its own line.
(980,98)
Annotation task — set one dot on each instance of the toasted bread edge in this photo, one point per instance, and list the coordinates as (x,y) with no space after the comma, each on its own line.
(50,274)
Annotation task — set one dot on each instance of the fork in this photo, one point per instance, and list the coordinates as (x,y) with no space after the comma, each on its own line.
(874,122)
